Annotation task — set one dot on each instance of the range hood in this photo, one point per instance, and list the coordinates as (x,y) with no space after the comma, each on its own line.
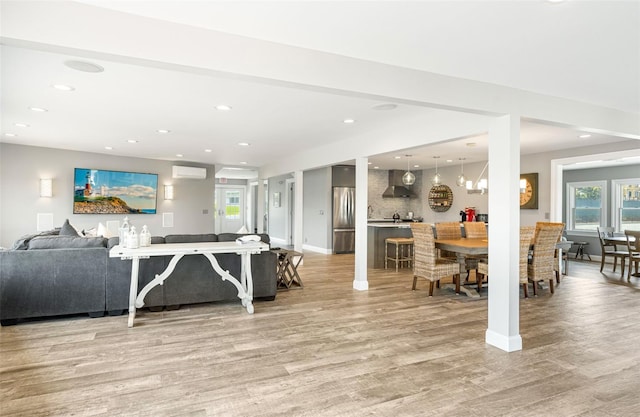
(396,188)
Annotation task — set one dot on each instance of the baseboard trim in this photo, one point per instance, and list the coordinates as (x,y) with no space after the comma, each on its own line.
(317,249)
(506,343)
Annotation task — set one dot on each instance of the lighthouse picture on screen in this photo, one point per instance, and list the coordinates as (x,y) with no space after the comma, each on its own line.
(98,191)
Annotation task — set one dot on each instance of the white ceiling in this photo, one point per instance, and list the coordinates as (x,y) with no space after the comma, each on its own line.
(585,51)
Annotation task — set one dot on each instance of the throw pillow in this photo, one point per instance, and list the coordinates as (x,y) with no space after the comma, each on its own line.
(68,230)
(66,242)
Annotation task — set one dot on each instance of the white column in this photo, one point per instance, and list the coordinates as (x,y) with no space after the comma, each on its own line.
(360,282)
(260,206)
(504,230)
(298,212)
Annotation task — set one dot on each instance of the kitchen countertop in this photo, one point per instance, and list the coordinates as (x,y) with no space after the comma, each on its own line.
(389,224)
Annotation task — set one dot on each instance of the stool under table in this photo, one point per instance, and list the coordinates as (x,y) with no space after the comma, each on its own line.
(403,252)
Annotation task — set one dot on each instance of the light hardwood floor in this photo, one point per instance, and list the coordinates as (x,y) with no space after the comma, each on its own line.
(328,350)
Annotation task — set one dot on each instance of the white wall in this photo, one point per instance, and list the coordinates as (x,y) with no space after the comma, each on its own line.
(317,210)
(21,167)
(278,215)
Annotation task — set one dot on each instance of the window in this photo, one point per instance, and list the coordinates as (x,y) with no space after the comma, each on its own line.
(626,204)
(586,205)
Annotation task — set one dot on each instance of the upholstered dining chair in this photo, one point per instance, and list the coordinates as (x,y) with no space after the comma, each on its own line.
(526,235)
(611,250)
(633,246)
(543,260)
(427,264)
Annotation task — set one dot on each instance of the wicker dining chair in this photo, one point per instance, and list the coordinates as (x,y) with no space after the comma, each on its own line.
(526,235)
(543,260)
(557,265)
(427,264)
(475,230)
(452,230)
(634,250)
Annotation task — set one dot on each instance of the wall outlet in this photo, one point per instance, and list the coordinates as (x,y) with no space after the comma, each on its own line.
(205,211)
(546,216)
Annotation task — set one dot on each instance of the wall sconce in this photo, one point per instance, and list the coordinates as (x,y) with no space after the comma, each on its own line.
(46,187)
(168,192)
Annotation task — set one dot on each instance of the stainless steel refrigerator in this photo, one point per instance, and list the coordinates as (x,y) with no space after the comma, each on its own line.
(344,219)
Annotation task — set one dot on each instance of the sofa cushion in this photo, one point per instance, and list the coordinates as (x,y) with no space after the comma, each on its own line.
(207,237)
(68,230)
(230,237)
(66,242)
(23,242)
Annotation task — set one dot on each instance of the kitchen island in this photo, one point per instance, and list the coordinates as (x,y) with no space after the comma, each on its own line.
(377,232)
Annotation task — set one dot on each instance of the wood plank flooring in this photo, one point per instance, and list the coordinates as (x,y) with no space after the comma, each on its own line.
(328,350)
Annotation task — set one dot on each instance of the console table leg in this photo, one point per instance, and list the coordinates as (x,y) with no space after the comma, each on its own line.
(133,291)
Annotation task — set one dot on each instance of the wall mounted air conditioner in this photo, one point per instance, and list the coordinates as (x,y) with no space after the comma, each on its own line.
(189,172)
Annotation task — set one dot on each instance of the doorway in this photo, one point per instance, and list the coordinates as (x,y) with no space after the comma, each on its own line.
(290,210)
(230,208)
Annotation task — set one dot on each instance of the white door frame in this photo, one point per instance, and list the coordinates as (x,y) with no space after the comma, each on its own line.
(244,209)
(288,210)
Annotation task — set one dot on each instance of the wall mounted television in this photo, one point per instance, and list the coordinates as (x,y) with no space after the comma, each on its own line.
(99,191)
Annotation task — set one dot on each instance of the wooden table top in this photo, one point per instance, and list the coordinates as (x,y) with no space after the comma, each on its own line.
(467,246)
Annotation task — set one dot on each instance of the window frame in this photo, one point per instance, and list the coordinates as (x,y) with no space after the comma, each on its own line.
(616,203)
(570,199)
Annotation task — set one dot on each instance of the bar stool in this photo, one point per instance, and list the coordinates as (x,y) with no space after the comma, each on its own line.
(580,251)
(403,252)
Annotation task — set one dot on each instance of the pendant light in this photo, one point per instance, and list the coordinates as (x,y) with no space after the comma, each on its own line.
(461,181)
(408,178)
(436,180)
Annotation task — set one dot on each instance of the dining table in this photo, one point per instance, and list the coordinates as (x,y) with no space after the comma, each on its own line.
(480,247)
(463,247)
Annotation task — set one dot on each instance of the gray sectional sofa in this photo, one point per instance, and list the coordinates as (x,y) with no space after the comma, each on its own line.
(56,275)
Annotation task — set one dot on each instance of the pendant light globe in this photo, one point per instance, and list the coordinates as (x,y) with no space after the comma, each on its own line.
(436,180)
(408,178)
(461,181)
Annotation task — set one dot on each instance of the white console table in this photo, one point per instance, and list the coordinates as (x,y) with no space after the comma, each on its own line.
(178,250)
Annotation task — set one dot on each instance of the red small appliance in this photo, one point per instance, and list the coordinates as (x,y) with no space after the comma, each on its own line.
(471,214)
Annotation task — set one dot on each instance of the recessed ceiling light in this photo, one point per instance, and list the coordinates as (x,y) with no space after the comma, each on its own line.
(38,109)
(208,150)
(163,131)
(387,106)
(449,160)
(63,87)
(223,107)
(348,121)
(21,124)
(243,162)
(397,157)
(11,135)
(84,66)
(376,167)
(108,148)
(471,144)
(586,135)
(132,141)
(243,144)
(179,155)
(369,163)
(416,166)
